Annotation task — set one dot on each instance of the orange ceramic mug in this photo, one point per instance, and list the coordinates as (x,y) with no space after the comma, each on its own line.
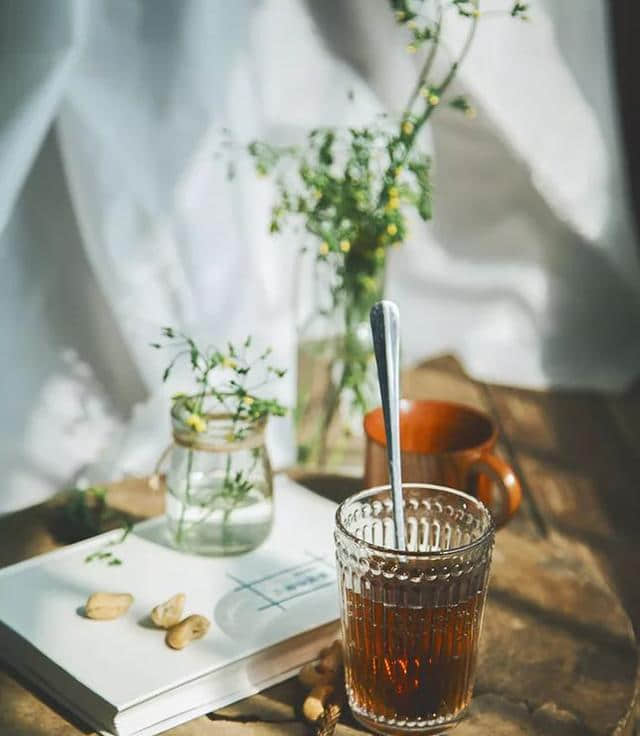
(447,444)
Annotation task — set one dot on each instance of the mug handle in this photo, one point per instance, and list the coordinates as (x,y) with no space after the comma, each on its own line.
(506,481)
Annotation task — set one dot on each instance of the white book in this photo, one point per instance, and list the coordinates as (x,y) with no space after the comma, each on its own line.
(271,610)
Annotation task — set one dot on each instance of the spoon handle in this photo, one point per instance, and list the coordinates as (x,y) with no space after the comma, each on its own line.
(385,322)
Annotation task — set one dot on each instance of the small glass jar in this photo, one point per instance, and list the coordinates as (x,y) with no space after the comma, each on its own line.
(219,487)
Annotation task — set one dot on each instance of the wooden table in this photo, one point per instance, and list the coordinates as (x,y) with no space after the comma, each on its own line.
(558,654)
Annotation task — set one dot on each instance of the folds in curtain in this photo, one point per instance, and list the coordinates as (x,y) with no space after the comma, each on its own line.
(127,222)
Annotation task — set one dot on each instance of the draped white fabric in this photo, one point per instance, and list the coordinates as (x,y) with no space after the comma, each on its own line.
(116,217)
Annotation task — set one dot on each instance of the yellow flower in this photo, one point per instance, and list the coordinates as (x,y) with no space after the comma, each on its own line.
(345,246)
(324,248)
(424,92)
(412,48)
(392,228)
(475,12)
(230,437)
(393,192)
(471,113)
(317,194)
(379,253)
(397,171)
(407,127)
(196,422)
(412,25)
(433,99)
(229,363)
(248,400)
(393,203)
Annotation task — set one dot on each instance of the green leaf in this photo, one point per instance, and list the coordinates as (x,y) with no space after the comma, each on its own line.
(460,103)
(194,354)
(424,207)
(518,10)
(324,154)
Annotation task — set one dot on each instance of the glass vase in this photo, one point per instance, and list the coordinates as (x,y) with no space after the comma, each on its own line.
(337,379)
(219,488)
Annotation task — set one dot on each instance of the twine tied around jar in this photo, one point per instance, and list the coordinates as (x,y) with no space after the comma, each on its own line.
(199,441)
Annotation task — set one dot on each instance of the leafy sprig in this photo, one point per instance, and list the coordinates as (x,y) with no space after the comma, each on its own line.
(105,555)
(226,377)
(85,513)
(519,10)
(353,190)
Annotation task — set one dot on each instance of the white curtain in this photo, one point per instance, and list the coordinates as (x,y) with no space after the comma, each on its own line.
(116,216)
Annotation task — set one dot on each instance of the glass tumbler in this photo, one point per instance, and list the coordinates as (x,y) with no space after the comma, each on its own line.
(411,619)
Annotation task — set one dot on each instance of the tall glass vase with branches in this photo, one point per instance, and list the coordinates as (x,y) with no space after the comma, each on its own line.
(353,191)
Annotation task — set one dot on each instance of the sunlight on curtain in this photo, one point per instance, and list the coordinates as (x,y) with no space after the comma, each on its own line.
(116,217)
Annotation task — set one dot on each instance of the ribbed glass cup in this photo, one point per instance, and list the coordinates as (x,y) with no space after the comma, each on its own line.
(411,619)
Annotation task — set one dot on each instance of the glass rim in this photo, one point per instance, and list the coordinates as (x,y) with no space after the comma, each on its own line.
(366,492)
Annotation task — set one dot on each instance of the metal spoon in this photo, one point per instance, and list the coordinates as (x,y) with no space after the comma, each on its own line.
(385,327)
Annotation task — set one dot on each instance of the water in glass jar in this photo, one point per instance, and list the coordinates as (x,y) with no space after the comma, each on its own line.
(207,520)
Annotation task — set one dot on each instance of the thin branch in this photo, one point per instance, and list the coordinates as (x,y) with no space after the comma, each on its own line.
(426,68)
(441,89)
(455,67)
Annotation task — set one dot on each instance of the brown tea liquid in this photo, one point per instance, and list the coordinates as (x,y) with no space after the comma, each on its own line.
(411,663)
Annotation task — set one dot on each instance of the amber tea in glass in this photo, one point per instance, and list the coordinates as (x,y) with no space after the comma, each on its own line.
(411,619)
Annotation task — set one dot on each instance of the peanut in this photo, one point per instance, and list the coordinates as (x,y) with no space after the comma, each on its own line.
(311,675)
(314,704)
(168,614)
(326,724)
(332,659)
(325,670)
(107,606)
(191,628)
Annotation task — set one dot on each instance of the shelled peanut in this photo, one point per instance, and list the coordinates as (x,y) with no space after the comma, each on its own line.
(107,606)
(191,628)
(168,614)
(323,678)
(180,632)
